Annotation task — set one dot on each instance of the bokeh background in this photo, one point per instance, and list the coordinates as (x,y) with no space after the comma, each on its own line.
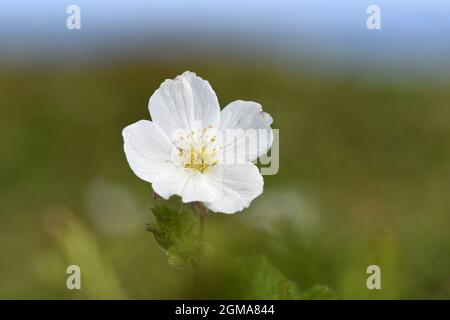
(364,119)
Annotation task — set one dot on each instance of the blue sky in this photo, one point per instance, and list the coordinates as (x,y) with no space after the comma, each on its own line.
(416,30)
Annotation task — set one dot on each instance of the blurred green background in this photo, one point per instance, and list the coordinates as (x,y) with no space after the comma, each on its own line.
(364,169)
(364,179)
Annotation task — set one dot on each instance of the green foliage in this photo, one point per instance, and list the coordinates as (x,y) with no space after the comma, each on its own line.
(99,278)
(269,283)
(176,231)
(317,292)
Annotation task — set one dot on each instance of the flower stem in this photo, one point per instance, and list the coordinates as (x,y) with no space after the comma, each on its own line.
(202,213)
(197,262)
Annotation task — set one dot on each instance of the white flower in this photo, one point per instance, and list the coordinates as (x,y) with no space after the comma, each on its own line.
(194,150)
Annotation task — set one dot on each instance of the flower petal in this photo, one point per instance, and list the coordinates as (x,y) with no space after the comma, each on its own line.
(188,102)
(147,148)
(190,185)
(236,186)
(246,127)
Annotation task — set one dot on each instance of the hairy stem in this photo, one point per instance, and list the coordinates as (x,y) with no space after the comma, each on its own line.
(202,213)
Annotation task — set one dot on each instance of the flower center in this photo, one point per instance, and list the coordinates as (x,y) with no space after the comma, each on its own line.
(197,149)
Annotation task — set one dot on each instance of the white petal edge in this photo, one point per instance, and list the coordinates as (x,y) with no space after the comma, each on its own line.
(187,102)
(236,187)
(245,115)
(188,184)
(147,149)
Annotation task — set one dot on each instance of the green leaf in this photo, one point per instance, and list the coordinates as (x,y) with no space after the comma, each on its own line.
(271,284)
(177,232)
(318,292)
